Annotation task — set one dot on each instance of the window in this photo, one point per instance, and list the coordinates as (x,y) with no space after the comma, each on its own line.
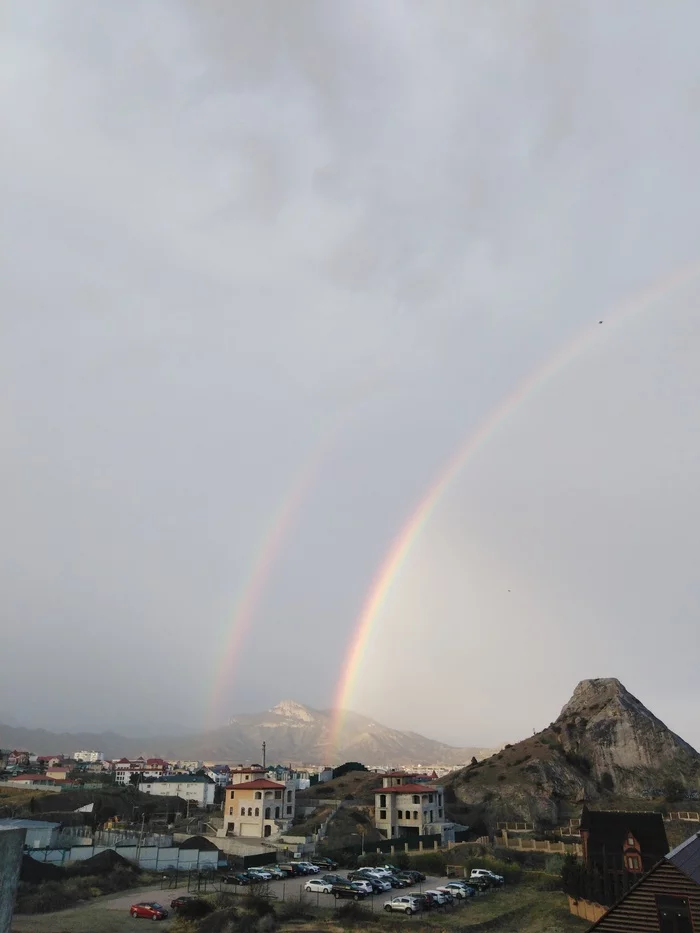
(439,814)
(399,814)
(258,795)
(257,811)
(242,811)
(416,798)
(630,842)
(230,811)
(431,816)
(250,811)
(289,811)
(232,795)
(382,814)
(633,863)
(277,813)
(278,795)
(268,830)
(674,914)
(267,813)
(430,798)
(289,796)
(415,814)
(382,800)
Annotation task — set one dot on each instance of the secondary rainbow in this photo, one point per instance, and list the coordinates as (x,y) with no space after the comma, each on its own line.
(402,543)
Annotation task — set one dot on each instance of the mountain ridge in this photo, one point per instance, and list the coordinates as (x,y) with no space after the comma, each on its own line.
(605,744)
(292,732)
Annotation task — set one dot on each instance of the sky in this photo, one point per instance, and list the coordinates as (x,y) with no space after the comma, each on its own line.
(244,242)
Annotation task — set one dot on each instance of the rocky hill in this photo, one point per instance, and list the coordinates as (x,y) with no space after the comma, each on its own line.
(605,744)
(292,732)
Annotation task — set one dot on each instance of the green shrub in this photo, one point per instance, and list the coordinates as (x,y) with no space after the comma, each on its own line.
(294,910)
(258,905)
(218,921)
(430,863)
(352,914)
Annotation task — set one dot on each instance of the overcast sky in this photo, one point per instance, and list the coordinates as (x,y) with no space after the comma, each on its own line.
(235,233)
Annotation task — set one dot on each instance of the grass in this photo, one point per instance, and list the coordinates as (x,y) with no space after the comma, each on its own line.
(19,797)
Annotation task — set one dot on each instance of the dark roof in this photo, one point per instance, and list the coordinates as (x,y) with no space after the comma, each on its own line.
(608,829)
(686,856)
(405,789)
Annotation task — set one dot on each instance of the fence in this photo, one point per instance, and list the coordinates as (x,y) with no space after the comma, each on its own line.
(538,845)
(686,816)
(516,827)
(155,858)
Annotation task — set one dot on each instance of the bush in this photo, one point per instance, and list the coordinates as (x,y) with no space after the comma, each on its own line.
(430,863)
(352,914)
(258,905)
(606,781)
(294,910)
(195,910)
(554,864)
(218,921)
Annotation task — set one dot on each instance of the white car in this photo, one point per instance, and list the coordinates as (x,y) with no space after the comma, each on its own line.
(260,873)
(438,895)
(363,886)
(307,866)
(457,890)
(321,887)
(484,873)
(407,905)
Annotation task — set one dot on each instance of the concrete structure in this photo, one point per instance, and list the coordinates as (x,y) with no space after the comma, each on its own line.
(11,850)
(256,807)
(89,756)
(404,808)
(40,834)
(40,781)
(193,787)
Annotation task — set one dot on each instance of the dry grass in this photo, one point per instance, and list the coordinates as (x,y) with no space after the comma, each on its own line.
(20,796)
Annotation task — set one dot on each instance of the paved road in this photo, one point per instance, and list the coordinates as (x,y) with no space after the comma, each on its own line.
(124,901)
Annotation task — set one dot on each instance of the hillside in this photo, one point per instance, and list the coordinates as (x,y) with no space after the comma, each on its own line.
(292,732)
(604,745)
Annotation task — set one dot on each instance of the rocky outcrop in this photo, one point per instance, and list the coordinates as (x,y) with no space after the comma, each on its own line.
(605,743)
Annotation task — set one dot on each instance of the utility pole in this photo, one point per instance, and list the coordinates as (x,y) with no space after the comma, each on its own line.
(264,753)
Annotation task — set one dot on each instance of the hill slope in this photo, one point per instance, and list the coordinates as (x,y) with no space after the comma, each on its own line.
(604,742)
(292,732)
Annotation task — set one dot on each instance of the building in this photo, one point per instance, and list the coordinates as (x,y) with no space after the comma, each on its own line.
(18,758)
(90,757)
(40,781)
(403,807)
(220,774)
(195,788)
(39,834)
(255,806)
(58,774)
(152,768)
(622,841)
(665,900)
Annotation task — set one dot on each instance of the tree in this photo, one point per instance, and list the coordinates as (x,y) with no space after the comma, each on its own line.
(347,768)
(474,760)
(673,790)
(135,778)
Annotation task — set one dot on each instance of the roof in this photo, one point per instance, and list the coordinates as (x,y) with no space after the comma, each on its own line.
(609,828)
(178,779)
(27,824)
(35,777)
(397,774)
(406,789)
(686,856)
(155,761)
(262,784)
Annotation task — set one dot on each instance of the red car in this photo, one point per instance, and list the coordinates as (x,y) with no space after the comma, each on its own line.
(148,909)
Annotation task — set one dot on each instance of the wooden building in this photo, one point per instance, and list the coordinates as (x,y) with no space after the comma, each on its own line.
(665,900)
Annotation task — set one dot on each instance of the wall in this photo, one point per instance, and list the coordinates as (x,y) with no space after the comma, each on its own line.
(586,910)
(155,858)
(11,849)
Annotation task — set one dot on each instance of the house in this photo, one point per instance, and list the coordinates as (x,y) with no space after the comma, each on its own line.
(18,758)
(403,807)
(622,841)
(255,806)
(90,757)
(42,781)
(665,899)
(49,761)
(59,774)
(191,787)
(125,768)
(219,774)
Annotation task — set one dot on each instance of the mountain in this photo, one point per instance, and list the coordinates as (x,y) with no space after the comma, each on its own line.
(291,731)
(605,744)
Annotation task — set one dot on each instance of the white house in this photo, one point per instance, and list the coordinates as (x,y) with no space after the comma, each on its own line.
(194,787)
(403,807)
(89,756)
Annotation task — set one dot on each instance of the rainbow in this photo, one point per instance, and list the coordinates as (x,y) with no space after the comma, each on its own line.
(267,554)
(400,547)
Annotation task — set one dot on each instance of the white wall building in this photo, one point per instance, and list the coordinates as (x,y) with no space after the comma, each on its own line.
(405,808)
(197,788)
(89,756)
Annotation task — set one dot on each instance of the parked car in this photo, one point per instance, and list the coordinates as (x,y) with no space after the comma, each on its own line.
(325,864)
(397,882)
(182,901)
(457,890)
(309,867)
(318,886)
(347,891)
(440,898)
(447,894)
(407,877)
(148,909)
(238,877)
(336,879)
(380,885)
(288,869)
(416,875)
(406,904)
(494,880)
(260,873)
(364,885)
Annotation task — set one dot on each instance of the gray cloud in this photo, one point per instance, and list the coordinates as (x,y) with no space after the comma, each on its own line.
(225,227)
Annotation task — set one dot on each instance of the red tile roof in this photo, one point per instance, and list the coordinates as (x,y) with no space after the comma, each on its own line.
(262,784)
(406,789)
(398,774)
